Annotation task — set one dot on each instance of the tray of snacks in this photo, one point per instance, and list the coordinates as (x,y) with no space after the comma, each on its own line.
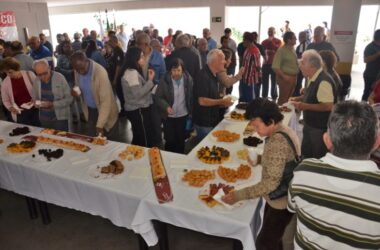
(197,177)
(213,155)
(224,136)
(106,170)
(58,143)
(85,138)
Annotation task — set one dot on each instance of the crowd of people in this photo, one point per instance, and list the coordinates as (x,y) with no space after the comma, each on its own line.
(169,85)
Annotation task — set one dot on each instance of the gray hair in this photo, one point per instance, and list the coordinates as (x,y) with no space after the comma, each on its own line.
(41,61)
(313,58)
(213,55)
(353,128)
(143,38)
(182,41)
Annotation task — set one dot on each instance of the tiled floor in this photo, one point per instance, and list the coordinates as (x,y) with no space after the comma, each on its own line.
(71,229)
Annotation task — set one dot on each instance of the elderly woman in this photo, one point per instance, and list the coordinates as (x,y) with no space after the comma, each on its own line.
(52,95)
(138,96)
(174,98)
(16,91)
(267,119)
(286,67)
(330,60)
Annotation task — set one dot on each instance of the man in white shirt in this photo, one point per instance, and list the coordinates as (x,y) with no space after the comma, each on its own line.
(123,38)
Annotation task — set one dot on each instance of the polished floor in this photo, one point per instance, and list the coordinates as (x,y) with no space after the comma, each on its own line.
(71,229)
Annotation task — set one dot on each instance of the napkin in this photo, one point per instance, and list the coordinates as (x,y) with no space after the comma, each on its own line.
(179,163)
(79,159)
(218,197)
(140,172)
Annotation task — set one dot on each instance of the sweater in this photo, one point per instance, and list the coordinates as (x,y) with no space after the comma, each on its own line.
(104,98)
(61,92)
(277,152)
(137,92)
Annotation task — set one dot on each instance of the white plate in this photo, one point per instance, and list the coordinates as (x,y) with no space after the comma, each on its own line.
(220,207)
(233,98)
(94,172)
(213,139)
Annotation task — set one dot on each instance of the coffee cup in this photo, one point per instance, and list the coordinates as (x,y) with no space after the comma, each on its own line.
(77,90)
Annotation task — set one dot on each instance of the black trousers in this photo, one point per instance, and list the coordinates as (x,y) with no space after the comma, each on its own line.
(368,84)
(29,117)
(174,134)
(93,115)
(141,126)
(268,71)
(274,224)
(312,142)
(298,85)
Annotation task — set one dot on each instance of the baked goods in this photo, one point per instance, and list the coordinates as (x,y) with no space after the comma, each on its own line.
(213,189)
(197,178)
(49,154)
(115,167)
(59,143)
(237,116)
(225,136)
(22,147)
(252,141)
(215,155)
(156,164)
(242,154)
(242,105)
(85,138)
(231,175)
(132,152)
(284,109)
(19,131)
(249,129)
(1,141)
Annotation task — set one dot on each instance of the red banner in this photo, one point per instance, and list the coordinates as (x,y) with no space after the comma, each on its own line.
(7,19)
(8,28)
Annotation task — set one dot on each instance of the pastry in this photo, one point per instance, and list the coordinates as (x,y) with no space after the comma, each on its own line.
(60,143)
(252,141)
(197,178)
(19,131)
(156,164)
(115,167)
(213,189)
(225,136)
(215,155)
(237,116)
(132,152)
(22,147)
(231,175)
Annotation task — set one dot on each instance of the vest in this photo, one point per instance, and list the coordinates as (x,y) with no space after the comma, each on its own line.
(312,118)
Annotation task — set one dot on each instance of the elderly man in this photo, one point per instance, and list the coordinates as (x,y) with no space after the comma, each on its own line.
(51,94)
(210,41)
(86,35)
(206,95)
(320,42)
(39,51)
(153,58)
(94,36)
(316,103)
(123,38)
(97,98)
(45,42)
(26,61)
(77,44)
(203,51)
(184,52)
(336,198)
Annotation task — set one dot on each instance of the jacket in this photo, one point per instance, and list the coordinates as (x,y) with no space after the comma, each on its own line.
(7,92)
(137,92)
(61,92)
(104,97)
(164,96)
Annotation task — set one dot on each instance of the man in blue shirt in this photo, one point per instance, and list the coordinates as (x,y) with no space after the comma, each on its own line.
(39,51)
(211,42)
(94,36)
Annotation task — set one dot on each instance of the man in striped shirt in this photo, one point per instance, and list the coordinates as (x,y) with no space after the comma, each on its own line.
(336,198)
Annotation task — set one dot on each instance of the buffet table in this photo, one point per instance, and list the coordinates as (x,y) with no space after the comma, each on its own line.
(128,199)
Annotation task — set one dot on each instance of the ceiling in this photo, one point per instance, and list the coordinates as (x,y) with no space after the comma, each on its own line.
(55,3)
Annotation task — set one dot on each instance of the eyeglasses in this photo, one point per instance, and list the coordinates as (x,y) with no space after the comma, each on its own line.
(43,74)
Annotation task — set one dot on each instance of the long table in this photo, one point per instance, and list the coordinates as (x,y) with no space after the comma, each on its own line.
(129,200)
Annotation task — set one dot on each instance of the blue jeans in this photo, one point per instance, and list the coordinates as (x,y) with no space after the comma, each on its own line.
(247,93)
(202,132)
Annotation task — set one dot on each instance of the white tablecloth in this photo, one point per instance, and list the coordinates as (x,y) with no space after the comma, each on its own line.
(129,200)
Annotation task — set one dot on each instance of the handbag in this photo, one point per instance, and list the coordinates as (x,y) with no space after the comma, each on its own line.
(287,175)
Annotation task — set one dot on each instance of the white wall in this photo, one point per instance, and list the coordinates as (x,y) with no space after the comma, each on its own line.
(34,16)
